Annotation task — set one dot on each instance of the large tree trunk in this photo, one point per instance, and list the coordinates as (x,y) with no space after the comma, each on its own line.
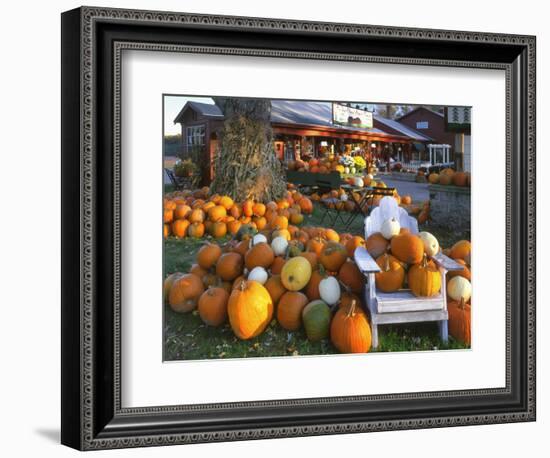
(245,164)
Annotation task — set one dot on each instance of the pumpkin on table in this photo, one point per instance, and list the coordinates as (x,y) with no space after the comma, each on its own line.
(350,330)
(250,309)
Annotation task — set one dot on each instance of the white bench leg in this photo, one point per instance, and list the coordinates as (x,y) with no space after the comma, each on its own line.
(444,330)
(374,332)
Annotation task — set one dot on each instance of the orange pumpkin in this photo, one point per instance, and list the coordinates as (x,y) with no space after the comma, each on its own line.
(218,229)
(168,216)
(392,274)
(333,256)
(424,279)
(376,245)
(248,207)
(296,218)
(312,258)
(350,330)
(277,265)
(332,235)
(407,247)
(216,213)
(233,227)
(406,200)
(306,205)
(460,179)
(258,209)
(226,202)
(279,222)
(275,288)
(353,243)
(250,309)
(235,211)
(197,270)
(460,318)
(312,287)
(196,216)
(350,275)
(461,249)
(213,306)
(242,247)
(445,179)
(316,245)
(208,255)
(260,222)
(465,272)
(179,228)
(185,292)
(260,255)
(196,230)
(168,282)
(166,230)
(182,211)
(229,266)
(289,310)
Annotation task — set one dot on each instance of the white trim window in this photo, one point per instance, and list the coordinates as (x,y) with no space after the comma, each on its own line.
(195,136)
(422,125)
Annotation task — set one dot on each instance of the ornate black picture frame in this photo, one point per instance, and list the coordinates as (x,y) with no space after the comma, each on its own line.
(92,41)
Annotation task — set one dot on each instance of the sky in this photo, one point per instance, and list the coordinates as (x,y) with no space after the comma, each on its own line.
(172,106)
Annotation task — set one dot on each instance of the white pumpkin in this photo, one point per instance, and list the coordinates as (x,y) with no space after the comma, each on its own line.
(344,197)
(259,238)
(258,274)
(346,169)
(279,245)
(390,228)
(358,182)
(329,290)
(431,245)
(459,288)
(370,176)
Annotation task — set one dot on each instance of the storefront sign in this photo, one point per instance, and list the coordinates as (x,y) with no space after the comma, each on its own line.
(343,115)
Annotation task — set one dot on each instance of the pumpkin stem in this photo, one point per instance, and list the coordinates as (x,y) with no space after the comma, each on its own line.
(424,261)
(462,303)
(387,263)
(242,285)
(351,310)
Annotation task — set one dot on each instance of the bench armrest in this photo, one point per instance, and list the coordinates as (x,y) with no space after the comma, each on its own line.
(447,263)
(364,261)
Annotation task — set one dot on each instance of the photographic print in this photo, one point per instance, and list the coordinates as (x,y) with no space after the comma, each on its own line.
(296,227)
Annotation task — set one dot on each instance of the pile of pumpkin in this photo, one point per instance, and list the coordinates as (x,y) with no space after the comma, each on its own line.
(450,177)
(403,258)
(308,279)
(194,214)
(327,164)
(303,279)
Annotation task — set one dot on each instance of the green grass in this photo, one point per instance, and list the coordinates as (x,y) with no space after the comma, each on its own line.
(188,338)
